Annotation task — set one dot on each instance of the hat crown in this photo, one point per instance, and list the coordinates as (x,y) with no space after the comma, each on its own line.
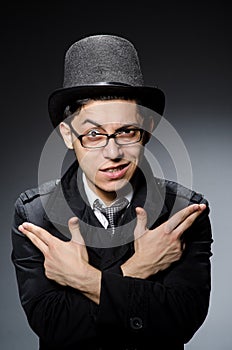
(102,58)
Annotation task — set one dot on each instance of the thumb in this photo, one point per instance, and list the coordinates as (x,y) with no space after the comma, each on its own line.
(74,228)
(141,225)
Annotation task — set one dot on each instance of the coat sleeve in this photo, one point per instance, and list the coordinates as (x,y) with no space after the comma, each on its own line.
(169,305)
(49,307)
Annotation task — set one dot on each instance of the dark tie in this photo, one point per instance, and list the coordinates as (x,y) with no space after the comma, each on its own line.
(112,213)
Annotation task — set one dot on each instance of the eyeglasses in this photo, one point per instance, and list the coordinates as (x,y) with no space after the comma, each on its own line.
(94,139)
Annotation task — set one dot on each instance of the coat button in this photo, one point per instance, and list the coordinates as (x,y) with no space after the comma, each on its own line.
(136,323)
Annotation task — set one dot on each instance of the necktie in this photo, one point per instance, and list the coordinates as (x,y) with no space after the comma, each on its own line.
(113,212)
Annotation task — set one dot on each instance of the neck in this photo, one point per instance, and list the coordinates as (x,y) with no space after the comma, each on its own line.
(109,197)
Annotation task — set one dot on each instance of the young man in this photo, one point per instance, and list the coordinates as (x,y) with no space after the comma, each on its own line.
(86,281)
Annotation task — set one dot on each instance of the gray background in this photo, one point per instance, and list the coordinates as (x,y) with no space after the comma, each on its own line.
(185,48)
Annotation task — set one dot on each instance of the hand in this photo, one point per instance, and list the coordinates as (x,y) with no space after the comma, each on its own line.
(156,250)
(66,262)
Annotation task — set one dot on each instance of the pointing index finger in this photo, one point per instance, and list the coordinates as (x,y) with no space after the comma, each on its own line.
(182,215)
(39,232)
(37,235)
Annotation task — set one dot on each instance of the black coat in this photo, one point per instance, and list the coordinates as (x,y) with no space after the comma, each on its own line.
(162,311)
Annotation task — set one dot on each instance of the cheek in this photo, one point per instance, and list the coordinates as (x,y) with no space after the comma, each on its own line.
(89,161)
(81,152)
(134,153)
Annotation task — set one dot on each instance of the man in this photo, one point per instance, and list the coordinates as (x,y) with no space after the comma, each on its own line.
(86,281)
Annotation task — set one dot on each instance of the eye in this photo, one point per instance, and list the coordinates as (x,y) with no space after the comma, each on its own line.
(125,131)
(93,133)
(128,132)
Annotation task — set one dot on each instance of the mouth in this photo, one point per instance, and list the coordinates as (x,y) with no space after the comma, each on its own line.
(115,172)
(115,168)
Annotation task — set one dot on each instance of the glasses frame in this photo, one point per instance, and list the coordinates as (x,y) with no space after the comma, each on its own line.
(108,137)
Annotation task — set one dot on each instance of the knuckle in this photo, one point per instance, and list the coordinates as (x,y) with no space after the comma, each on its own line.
(48,275)
(167,227)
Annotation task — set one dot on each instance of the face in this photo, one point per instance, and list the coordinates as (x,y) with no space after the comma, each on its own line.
(110,168)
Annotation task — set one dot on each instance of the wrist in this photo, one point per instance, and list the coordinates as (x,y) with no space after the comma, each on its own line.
(138,268)
(132,269)
(89,283)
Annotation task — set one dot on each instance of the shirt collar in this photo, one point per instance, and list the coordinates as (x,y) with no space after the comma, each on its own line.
(91,195)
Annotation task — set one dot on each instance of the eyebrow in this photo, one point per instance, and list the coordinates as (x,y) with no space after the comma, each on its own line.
(100,125)
(91,122)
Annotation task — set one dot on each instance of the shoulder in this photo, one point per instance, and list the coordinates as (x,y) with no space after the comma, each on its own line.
(175,189)
(34,197)
(42,190)
(179,195)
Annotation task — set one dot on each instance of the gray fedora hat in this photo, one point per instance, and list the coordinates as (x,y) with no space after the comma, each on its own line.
(101,65)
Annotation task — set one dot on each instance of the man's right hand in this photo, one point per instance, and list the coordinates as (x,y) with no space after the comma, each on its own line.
(156,250)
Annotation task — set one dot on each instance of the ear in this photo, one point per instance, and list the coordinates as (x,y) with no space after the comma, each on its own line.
(148,130)
(151,125)
(66,134)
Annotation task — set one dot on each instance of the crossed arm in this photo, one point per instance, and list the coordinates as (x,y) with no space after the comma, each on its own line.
(155,250)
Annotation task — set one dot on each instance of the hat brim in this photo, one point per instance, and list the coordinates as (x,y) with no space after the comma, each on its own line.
(150,97)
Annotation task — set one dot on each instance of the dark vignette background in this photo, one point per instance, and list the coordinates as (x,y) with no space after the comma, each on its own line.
(185,48)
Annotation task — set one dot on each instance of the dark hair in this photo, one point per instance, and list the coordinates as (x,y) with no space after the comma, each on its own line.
(76,106)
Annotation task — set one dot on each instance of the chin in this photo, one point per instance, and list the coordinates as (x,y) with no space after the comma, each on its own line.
(117,186)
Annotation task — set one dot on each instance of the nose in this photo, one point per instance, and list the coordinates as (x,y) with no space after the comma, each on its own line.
(112,150)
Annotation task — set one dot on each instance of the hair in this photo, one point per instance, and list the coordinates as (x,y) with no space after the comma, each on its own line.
(74,109)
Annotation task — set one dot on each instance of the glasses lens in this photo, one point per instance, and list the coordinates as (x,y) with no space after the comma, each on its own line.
(128,136)
(94,140)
